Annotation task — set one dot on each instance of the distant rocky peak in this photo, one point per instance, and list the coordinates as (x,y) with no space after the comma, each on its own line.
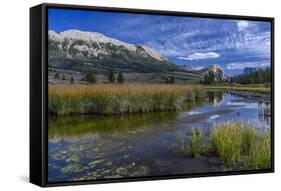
(215,68)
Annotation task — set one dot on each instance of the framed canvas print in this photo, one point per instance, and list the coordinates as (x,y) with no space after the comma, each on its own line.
(126,95)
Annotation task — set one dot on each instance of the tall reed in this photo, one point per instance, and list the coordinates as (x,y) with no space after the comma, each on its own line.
(119,99)
(196,143)
(259,156)
(236,142)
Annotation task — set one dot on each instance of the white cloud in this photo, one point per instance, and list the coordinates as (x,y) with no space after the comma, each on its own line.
(200,56)
(197,68)
(242,25)
(242,65)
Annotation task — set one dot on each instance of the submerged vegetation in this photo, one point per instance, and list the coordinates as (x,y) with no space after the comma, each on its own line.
(75,126)
(120,98)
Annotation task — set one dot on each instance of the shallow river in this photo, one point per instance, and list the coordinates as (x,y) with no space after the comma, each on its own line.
(101,147)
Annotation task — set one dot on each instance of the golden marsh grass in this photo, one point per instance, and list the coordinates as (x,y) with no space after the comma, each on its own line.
(119,98)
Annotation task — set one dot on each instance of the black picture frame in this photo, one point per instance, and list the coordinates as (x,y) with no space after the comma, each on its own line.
(39,92)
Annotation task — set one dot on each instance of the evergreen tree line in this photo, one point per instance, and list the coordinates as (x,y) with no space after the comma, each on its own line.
(257,77)
(112,77)
(170,80)
(91,78)
(57,76)
(209,78)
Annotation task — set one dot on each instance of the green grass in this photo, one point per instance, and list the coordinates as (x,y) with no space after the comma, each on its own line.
(259,88)
(238,142)
(226,140)
(249,137)
(120,99)
(196,143)
(259,154)
(239,145)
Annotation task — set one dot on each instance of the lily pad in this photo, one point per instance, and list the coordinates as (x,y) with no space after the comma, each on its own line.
(94,163)
(72,158)
(108,163)
(71,168)
(121,170)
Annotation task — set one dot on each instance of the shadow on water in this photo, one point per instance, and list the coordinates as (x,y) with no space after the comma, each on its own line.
(73,126)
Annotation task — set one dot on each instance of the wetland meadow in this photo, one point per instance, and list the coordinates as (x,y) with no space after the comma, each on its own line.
(121,131)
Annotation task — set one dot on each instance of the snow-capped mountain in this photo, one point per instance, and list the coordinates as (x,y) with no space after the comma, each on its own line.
(91,51)
(75,53)
(68,48)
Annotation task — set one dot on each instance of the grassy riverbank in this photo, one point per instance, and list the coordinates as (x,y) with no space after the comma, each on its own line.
(239,142)
(258,88)
(119,99)
(239,145)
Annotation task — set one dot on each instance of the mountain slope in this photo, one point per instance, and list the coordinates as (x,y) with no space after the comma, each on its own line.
(84,51)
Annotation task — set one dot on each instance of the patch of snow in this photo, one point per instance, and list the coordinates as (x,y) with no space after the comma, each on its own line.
(81,47)
(88,37)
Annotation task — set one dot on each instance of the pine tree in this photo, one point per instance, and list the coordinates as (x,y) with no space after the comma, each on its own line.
(63,77)
(91,78)
(111,77)
(57,76)
(172,80)
(211,77)
(120,78)
(205,79)
(71,80)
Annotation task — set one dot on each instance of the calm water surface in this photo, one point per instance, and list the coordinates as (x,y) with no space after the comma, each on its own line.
(105,147)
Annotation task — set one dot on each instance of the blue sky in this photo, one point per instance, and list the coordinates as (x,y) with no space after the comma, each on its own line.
(233,44)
